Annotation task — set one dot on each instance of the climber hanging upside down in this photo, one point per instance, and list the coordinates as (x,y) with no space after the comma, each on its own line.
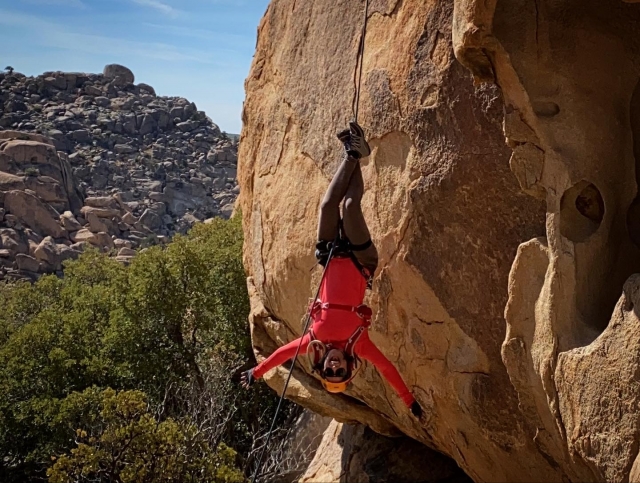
(339,338)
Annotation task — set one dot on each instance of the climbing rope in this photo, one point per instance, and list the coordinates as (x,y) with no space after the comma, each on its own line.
(293,363)
(360,60)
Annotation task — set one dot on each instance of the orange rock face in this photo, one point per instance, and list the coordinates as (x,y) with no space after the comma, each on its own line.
(569,73)
(458,216)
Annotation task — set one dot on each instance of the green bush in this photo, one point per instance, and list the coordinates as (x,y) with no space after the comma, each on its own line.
(32,172)
(172,325)
(120,441)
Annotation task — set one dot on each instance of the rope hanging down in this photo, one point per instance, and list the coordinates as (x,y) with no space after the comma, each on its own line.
(360,61)
(355,106)
(293,363)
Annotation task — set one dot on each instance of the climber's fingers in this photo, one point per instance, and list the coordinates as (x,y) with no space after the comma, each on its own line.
(247,379)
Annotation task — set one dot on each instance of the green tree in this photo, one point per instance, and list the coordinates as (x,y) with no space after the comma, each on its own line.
(121,441)
(171,325)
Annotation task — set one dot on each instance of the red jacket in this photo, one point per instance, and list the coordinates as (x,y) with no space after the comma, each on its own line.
(343,284)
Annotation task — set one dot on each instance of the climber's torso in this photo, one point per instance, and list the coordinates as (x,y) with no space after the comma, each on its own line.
(343,284)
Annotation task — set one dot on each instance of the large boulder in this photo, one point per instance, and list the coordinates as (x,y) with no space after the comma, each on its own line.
(53,254)
(119,73)
(101,202)
(461,242)
(569,75)
(101,240)
(151,220)
(49,172)
(27,263)
(34,213)
(29,152)
(69,222)
(96,225)
(100,212)
(444,209)
(352,452)
(10,182)
(13,241)
(48,190)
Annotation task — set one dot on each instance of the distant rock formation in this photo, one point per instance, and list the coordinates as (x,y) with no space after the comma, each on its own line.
(94,159)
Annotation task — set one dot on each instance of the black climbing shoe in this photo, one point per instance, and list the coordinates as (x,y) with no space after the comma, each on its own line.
(358,148)
(247,379)
(354,142)
(344,136)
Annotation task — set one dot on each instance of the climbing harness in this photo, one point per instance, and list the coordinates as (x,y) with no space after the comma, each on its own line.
(343,248)
(363,311)
(360,60)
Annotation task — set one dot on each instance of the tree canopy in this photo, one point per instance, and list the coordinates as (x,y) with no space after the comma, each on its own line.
(107,352)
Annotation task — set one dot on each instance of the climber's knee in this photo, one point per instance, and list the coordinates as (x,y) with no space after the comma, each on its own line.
(352,205)
(329,206)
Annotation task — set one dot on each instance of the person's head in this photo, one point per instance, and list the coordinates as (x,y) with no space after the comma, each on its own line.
(336,371)
(335,367)
(332,365)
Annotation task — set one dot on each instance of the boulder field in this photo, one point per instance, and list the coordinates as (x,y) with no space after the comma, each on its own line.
(94,159)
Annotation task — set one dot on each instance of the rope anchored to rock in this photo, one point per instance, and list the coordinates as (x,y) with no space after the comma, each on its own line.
(360,60)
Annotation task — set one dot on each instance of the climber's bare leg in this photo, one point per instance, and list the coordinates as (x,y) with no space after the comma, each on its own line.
(329,218)
(355,226)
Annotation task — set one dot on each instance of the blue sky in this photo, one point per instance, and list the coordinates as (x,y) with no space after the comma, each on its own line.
(198,49)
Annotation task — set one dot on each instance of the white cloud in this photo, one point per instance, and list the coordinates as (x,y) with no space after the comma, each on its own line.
(54,35)
(162,7)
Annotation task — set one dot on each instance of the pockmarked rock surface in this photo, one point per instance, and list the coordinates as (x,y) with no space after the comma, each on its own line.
(94,159)
(570,75)
(502,192)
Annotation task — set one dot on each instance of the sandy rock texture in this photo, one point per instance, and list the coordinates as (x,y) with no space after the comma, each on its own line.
(449,202)
(570,75)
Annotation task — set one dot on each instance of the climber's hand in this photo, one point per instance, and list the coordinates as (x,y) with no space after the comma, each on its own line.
(247,379)
(416,409)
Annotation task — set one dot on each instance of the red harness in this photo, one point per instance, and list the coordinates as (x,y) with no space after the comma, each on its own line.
(363,311)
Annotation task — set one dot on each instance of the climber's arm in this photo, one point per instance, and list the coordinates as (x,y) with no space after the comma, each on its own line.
(367,350)
(280,356)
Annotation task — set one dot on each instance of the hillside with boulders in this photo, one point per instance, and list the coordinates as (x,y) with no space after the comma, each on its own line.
(97,160)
